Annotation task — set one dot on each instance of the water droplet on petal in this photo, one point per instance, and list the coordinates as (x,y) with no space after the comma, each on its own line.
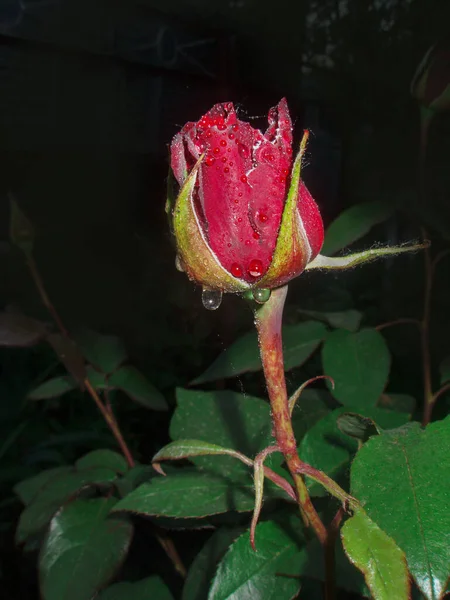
(256,235)
(261,296)
(209,161)
(223,142)
(236,270)
(255,268)
(226,170)
(244,178)
(211,299)
(216,150)
(243,150)
(231,136)
(247,242)
(262,217)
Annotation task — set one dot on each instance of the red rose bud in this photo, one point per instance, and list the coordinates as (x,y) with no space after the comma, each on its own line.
(243,219)
(431,82)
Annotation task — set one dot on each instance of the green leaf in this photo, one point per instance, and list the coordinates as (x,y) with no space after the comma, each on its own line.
(105,352)
(345,319)
(189,493)
(28,489)
(299,342)
(353,223)
(401,478)
(244,574)
(224,418)
(52,388)
(204,565)
(444,370)
(138,388)
(377,556)
(134,477)
(103,458)
(70,356)
(357,426)
(192,448)
(359,364)
(18,330)
(326,448)
(97,379)
(151,588)
(54,494)
(83,550)
(398,402)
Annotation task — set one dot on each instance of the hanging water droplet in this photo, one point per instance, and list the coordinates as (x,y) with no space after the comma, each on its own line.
(211,299)
(179,263)
(261,296)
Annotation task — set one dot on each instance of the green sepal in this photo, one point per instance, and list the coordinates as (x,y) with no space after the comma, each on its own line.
(195,255)
(357,258)
(292,250)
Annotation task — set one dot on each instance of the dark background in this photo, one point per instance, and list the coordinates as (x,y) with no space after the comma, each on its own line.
(91,93)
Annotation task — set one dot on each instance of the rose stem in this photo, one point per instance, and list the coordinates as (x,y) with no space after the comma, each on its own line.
(268,321)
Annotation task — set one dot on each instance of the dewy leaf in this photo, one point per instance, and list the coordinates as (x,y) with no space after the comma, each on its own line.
(353,223)
(299,342)
(54,493)
(204,564)
(106,352)
(138,388)
(52,388)
(151,588)
(359,364)
(401,478)
(377,556)
(244,574)
(189,494)
(83,550)
(223,418)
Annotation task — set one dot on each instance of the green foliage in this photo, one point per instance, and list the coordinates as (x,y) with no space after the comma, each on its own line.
(202,494)
(225,418)
(377,556)
(138,388)
(393,479)
(359,364)
(151,587)
(79,535)
(244,572)
(203,567)
(353,223)
(299,342)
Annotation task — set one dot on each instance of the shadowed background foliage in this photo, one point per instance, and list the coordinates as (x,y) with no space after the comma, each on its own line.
(91,94)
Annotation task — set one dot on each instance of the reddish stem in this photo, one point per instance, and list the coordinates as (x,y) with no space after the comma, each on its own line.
(268,321)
